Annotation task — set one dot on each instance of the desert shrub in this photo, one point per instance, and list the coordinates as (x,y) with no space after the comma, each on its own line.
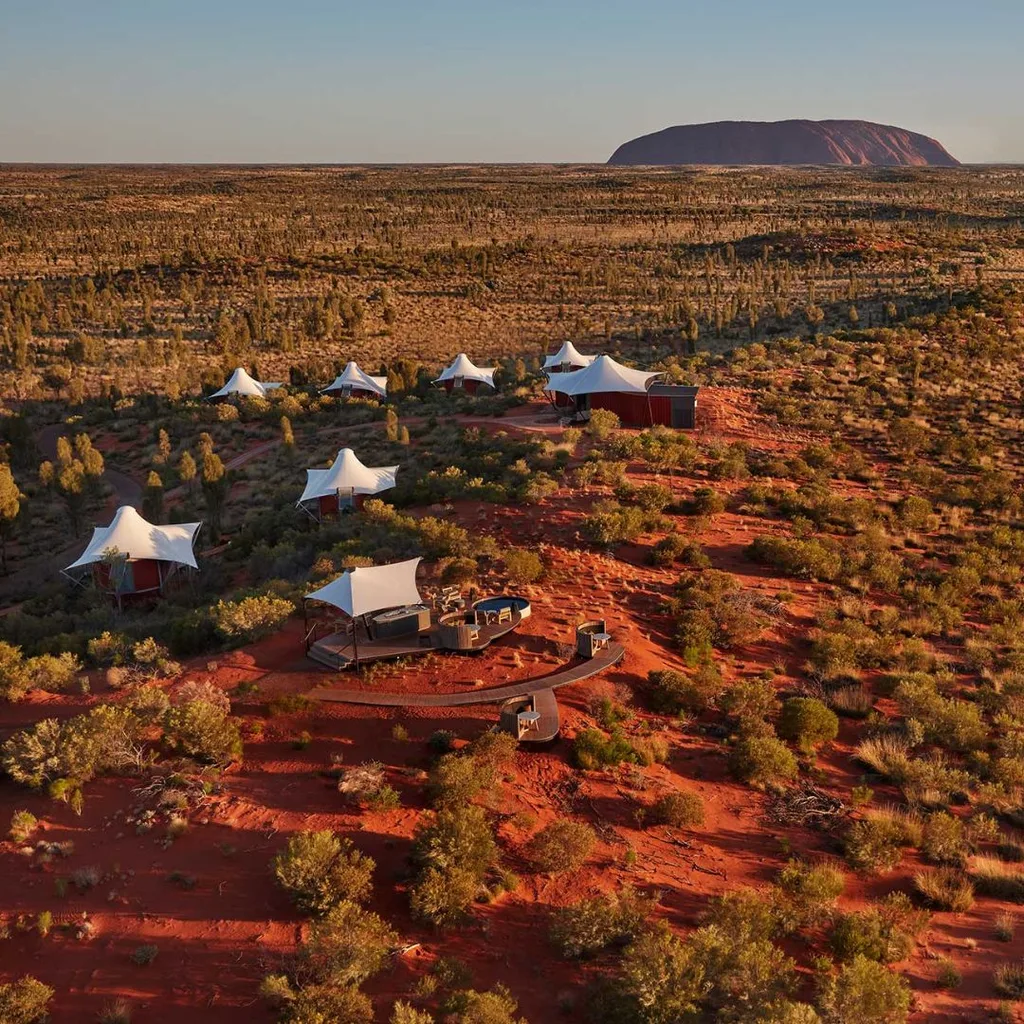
(749,702)
(948,976)
(203,730)
(956,724)
(811,888)
(811,559)
(149,703)
(456,778)
(746,915)
(24,1001)
(807,723)
(366,784)
(763,761)
(650,748)
(522,566)
(994,877)
(884,933)
(602,424)
(320,869)
(494,1007)
(250,618)
(705,501)
(346,946)
(14,677)
(406,1013)
(587,927)
(874,845)
(906,823)
(592,749)
(865,992)
(456,837)
(1008,980)
(677,548)
(945,840)
(562,846)
(117,1011)
(681,810)
(945,888)
(317,1004)
(671,692)
(441,897)
(853,701)
(661,980)
(1004,927)
(53,672)
(23,824)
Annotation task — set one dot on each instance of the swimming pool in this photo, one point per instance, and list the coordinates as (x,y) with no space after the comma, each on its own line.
(494,604)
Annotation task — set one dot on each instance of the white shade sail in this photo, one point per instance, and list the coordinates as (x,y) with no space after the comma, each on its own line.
(241,383)
(602,375)
(347,473)
(462,366)
(130,535)
(353,377)
(569,355)
(372,588)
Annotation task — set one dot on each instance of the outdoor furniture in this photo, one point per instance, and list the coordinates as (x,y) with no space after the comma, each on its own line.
(401,621)
(591,637)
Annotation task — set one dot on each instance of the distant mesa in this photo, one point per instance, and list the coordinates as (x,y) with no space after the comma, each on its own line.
(851,143)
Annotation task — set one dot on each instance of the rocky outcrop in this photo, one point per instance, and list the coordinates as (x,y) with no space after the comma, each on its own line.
(854,143)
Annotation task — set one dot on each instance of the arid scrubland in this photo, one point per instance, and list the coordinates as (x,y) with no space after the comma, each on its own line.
(799,797)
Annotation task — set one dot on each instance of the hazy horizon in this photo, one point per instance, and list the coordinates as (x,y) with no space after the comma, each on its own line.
(226,82)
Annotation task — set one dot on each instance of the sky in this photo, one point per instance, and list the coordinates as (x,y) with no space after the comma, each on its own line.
(520,81)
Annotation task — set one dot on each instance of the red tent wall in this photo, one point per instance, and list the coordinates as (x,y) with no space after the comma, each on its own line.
(635,410)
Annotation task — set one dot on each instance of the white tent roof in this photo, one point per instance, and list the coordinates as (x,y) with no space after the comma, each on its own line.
(372,588)
(241,383)
(347,473)
(129,534)
(353,377)
(463,366)
(602,375)
(568,353)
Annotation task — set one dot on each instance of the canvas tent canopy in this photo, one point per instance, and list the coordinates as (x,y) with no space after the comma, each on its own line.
(130,536)
(568,355)
(241,383)
(352,378)
(462,368)
(604,375)
(349,476)
(372,588)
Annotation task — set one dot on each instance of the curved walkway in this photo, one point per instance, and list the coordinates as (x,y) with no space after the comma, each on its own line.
(611,655)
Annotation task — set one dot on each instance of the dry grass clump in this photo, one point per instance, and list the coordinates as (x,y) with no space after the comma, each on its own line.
(889,756)
(946,888)
(1008,980)
(903,821)
(994,877)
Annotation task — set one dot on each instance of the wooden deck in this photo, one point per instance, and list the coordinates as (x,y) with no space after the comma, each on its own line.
(582,669)
(336,650)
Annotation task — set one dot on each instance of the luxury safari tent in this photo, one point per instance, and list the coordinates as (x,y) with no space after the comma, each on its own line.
(353,383)
(389,594)
(131,557)
(241,383)
(344,485)
(464,375)
(631,394)
(567,359)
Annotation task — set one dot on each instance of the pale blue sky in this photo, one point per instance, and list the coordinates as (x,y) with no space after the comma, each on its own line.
(520,81)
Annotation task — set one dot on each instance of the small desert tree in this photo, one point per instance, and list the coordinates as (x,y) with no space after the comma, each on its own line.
(10,508)
(320,869)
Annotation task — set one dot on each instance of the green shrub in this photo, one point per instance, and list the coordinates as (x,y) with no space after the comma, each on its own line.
(865,992)
(562,846)
(23,824)
(320,869)
(587,927)
(592,749)
(762,761)
(672,692)
(522,566)
(457,837)
(251,618)
(749,702)
(24,1001)
(874,844)
(884,933)
(807,723)
(346,946)
(812,888)
(441,897)
(15,680)
(945,840)
(203,730)
(680,810)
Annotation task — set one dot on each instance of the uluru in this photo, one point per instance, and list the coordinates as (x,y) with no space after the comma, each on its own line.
(853,143)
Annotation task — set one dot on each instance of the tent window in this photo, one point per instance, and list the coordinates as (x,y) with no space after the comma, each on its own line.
(457,382)
(346,499)
(346,391)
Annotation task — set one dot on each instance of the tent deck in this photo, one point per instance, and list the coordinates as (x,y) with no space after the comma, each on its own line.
(337,651)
